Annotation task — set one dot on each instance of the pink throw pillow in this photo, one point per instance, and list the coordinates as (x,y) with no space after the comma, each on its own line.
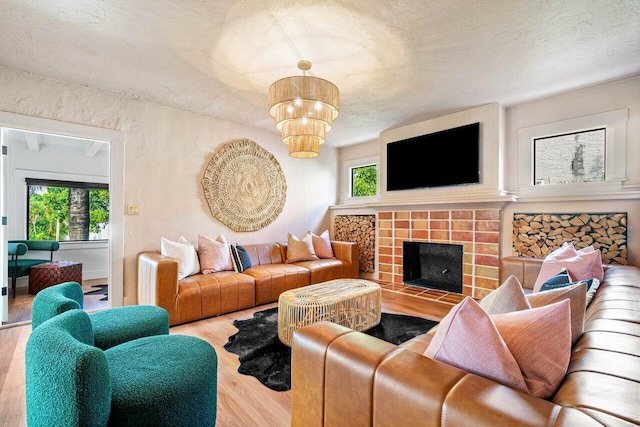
(468,339)
(322,245)
(214,255)
(540,341)
(527,350)
(580,267)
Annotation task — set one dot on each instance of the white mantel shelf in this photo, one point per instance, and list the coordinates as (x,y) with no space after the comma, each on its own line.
(490,200)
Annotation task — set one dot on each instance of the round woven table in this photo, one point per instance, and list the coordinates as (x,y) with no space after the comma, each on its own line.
(354,303)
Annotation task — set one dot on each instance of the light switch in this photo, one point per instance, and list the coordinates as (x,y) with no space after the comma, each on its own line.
(132,210)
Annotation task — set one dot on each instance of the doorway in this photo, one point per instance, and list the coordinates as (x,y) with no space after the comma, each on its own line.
(68,153)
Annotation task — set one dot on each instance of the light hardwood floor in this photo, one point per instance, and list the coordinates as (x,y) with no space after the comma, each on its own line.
(20,306)
(242,400)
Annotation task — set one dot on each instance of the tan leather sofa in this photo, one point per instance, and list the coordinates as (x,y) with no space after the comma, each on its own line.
(205,295)
(342,377)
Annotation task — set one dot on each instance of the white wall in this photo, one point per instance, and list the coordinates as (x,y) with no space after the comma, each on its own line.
(166,153)
(606,97)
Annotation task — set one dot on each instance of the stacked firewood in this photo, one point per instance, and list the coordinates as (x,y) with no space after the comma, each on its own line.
(536,235)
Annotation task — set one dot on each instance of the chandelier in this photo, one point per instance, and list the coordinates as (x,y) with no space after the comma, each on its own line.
(304,109)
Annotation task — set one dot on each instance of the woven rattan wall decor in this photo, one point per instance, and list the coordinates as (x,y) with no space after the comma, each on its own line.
(244,186)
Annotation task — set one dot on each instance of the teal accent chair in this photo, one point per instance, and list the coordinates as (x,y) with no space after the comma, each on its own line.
(111,326)
(162,380)
(20,267)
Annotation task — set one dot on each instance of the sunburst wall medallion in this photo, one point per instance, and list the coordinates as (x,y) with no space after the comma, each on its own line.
(244,186)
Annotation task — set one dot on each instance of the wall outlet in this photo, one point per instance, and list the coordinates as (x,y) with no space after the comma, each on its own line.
(132,210)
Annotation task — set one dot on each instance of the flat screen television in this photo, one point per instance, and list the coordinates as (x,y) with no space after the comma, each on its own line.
(447,157)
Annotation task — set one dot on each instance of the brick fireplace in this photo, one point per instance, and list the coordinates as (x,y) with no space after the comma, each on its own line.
(477,230)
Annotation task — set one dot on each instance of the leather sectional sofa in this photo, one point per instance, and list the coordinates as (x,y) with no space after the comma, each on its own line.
(339,374)
(205,295)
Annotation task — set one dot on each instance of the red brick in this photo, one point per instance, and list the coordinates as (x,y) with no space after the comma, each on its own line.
(442,235)
(385,215)
(487,260)
(488,214)
(486,248)
(462,214)
(419,234)
(401,224)
(386,259)
(385,250)
(439,215)
(402,215)
(462,236)
(488,237)
(419,215)
(385,233)
(487,225)
(420,225)
(462,225)
(439,225)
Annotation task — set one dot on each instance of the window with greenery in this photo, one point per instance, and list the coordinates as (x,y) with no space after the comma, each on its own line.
(364,180)
(570,158)
(67,211)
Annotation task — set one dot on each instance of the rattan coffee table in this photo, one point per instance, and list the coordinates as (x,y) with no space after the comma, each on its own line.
(354,303)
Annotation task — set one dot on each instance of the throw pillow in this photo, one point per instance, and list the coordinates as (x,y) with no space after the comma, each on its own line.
(576,293)
(591,292)
(184,253)
(240,258)
(468,339)
(540,341)
(560,280)
(300,250)
(322,245)
(527,350)
(580,267)
(214,254)
(597,269)
(509,296)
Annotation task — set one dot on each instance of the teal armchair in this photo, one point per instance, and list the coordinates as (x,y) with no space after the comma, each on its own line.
(111,326)
(20,267)
(161,380)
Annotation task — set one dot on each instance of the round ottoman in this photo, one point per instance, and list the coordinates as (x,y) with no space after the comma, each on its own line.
(163,380)
(118,325)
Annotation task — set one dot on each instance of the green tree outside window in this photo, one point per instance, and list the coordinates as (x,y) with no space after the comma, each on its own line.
(364,181)
(67,213)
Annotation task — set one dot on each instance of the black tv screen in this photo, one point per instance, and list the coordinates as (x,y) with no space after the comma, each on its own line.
(448,157)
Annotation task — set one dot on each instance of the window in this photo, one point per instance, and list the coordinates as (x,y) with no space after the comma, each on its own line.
(66,210)
(364,180)
(570,158)
(581,158)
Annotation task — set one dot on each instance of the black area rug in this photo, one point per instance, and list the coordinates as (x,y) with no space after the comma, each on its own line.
(263,356)
(100,290)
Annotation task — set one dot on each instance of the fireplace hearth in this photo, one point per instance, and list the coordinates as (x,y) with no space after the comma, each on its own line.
(433,265)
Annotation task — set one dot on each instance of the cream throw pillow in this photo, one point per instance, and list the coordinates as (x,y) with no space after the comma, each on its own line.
(300,250)
(184,253)
(507,297)
(215,255)
(576,294)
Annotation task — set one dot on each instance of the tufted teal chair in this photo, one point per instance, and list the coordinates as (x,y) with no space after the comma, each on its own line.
(161,380)
(111,326)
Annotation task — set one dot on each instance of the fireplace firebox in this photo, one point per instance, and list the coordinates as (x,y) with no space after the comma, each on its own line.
(433,265)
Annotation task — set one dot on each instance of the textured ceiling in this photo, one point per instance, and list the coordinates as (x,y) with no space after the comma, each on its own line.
(395,62)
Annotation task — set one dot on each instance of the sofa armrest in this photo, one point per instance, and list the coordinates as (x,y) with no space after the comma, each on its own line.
(349,252)
(338,374)
(525,269)
(16,249)
(158,281)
